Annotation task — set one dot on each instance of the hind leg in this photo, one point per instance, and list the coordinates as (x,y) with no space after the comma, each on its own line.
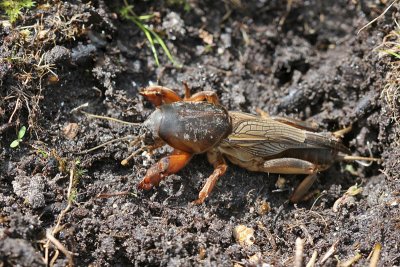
(294,166)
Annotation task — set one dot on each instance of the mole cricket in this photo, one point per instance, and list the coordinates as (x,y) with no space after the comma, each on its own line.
(198,124)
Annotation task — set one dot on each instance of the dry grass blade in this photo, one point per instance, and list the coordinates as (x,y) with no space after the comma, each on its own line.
(50,234)
(330,252)
(378,17)
(311,262)
(298,256)
(375,254)
(351,261)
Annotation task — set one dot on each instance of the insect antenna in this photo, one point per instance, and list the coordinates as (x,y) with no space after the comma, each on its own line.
(90,115)
(104,144)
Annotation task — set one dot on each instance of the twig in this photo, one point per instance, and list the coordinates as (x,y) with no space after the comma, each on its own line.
(55,257)
(330,251)
(375,255)
(15,110)
(351,261)
(313,259)
(61,247)
(298,256)
(57,228)
(378,17)
(125,161)
(116,194)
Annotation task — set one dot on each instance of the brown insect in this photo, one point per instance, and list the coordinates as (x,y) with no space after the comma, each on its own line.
(199,124)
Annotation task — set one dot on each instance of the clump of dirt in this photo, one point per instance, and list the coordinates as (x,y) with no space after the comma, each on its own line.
(299,59)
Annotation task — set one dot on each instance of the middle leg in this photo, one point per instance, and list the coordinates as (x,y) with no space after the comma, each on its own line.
(220,167)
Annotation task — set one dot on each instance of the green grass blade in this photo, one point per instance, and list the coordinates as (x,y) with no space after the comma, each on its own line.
(152,46)
(146,17)
(396,55)
(127,13)
(146,31)
(164,47)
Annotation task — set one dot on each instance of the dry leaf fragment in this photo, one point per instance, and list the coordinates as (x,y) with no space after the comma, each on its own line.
(256,259)
(202,253)
(206,37)
(71,130)
(263,207)
(347,197)
(280,182)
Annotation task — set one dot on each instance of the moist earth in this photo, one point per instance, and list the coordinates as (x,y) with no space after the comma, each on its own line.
(302,59)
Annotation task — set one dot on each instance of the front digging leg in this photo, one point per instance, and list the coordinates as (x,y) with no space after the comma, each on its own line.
(209,96)
(159,95)
(163,168)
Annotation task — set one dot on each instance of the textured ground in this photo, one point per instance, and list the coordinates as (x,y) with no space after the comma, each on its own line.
(303,59)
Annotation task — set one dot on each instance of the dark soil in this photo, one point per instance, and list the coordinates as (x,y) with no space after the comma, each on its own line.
(304,60)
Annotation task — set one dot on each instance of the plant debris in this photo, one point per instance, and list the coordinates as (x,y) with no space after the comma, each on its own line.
(244,235)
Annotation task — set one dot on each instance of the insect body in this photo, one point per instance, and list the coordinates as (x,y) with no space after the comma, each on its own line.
(198,124)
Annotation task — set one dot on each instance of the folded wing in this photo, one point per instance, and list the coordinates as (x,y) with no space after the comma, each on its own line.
(267,137)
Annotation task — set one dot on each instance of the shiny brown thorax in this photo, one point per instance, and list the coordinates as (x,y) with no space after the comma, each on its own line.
(193,127)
